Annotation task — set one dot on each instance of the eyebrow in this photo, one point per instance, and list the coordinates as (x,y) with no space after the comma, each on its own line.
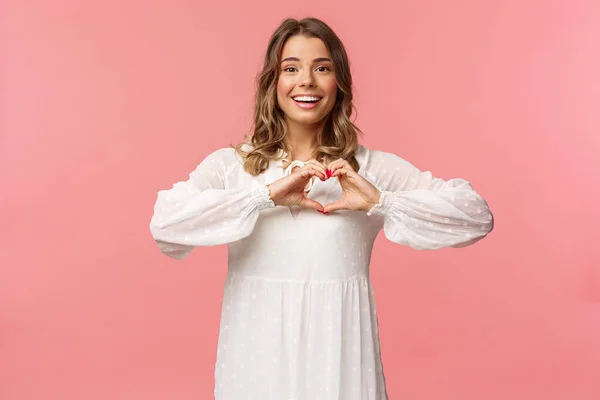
(320,59)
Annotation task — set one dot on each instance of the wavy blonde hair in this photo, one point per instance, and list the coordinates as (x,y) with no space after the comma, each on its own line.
(339,136)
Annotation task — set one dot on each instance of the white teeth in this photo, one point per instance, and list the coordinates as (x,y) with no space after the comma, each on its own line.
(306,98)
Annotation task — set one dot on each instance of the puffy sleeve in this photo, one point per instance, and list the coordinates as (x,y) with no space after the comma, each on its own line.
(204,211)
(422,211)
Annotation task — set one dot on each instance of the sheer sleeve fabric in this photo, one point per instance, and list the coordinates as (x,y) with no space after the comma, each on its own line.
(204,210)
(422,211)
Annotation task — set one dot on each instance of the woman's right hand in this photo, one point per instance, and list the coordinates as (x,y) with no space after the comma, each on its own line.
(289,190)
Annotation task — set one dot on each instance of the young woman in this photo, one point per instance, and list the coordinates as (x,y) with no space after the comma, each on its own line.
(300,206)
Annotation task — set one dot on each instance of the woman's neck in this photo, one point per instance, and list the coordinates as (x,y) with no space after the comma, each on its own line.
(302,140)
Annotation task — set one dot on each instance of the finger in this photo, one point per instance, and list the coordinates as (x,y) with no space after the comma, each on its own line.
(310,203)
(339,163)
(335,163)
(310,171)
(305,171)
(319,166)
(335,206)
(305,175)
(316,163)
(341,172)
(332,167)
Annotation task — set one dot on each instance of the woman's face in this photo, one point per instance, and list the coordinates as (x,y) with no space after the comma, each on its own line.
(306,69)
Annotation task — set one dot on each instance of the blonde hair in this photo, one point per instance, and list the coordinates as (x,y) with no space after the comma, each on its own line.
(339,136)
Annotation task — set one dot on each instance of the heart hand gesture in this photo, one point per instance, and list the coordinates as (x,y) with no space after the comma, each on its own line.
(290,190)
(357,193)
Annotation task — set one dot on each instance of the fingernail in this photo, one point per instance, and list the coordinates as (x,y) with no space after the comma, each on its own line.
(329,173)
(323,212)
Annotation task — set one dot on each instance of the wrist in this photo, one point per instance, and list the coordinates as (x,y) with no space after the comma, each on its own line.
(384,205)
(272,194)
(373,201)
(261,197)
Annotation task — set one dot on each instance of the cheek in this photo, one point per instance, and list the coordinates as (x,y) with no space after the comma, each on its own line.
(280,93)
(284,87)
(330,87)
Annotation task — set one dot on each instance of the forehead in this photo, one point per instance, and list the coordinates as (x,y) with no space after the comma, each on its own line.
(304,48)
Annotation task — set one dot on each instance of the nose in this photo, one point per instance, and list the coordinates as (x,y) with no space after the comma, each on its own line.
(307,78)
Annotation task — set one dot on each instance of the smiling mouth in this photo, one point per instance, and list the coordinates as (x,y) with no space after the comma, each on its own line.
(307,99)
(307,102)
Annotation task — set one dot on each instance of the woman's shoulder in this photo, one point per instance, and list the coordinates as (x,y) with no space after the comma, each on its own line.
(374,160)
(228,155)
(367,155)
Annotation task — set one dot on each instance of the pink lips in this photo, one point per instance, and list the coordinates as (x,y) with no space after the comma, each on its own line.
(306,106)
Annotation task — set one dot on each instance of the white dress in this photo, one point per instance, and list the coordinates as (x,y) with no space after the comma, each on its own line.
(298,315)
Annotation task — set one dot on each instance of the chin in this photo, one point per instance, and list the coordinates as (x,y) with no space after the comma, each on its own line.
(308,121)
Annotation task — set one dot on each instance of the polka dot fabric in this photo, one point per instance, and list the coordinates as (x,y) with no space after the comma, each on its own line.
(299,318)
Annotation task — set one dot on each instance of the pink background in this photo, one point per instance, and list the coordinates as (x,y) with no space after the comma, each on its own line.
(106,102)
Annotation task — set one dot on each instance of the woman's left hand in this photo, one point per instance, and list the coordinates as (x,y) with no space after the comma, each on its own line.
(357,193)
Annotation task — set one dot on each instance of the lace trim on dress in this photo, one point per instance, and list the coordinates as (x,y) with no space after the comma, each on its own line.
(261,198)
(384,205)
